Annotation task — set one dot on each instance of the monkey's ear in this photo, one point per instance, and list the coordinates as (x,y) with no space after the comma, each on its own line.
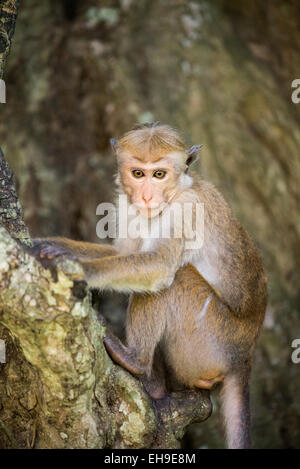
(192,155)
(114,144)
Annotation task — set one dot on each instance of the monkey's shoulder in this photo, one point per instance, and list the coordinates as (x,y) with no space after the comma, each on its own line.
(208,192)
(204,193)
(223,231)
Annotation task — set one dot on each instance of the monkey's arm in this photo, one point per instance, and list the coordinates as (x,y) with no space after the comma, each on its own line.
(140,272)
(52,247)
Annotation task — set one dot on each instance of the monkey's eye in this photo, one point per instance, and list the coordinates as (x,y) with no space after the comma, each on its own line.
(137,173)
(159,174)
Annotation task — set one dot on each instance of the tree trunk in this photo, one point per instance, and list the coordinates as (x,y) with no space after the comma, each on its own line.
(8,16)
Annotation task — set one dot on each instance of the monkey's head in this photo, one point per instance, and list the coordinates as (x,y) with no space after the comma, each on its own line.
(152,166)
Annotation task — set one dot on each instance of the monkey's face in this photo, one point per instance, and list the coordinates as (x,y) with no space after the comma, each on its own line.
(150,186)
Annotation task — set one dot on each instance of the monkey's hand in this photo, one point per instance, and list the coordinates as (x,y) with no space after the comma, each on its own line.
(50,250)
(53,256)
(44,251)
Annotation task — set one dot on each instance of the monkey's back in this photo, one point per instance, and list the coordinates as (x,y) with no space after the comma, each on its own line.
(227,258)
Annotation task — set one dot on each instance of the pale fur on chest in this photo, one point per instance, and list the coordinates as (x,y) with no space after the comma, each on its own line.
(143,235)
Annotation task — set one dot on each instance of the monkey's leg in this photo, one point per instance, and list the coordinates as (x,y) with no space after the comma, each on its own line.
(155,383)
(145,326)
(144,329)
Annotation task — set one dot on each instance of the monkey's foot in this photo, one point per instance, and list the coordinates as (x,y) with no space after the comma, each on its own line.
(123,356)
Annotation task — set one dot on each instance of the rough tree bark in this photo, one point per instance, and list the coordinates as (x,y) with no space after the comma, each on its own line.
(58,386)
(11,213)
(8,16)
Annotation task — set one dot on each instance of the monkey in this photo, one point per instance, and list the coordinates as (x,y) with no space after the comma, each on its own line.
(198,308)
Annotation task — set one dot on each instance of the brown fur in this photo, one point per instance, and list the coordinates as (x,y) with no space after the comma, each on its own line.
(202,342)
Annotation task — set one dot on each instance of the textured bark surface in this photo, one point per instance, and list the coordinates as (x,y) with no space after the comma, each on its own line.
(8,16)
(11,212)
(221,71)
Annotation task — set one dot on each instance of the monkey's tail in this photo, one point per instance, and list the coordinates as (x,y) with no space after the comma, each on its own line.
(235,407)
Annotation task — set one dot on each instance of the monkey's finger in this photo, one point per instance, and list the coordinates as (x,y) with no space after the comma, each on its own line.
(50,251)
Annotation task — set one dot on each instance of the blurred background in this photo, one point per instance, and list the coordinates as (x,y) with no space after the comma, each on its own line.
(81,72)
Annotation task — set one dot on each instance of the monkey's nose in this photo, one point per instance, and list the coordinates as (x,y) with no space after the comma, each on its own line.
(147,196)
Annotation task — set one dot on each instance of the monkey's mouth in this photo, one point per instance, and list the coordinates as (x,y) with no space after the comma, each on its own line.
(151,212)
